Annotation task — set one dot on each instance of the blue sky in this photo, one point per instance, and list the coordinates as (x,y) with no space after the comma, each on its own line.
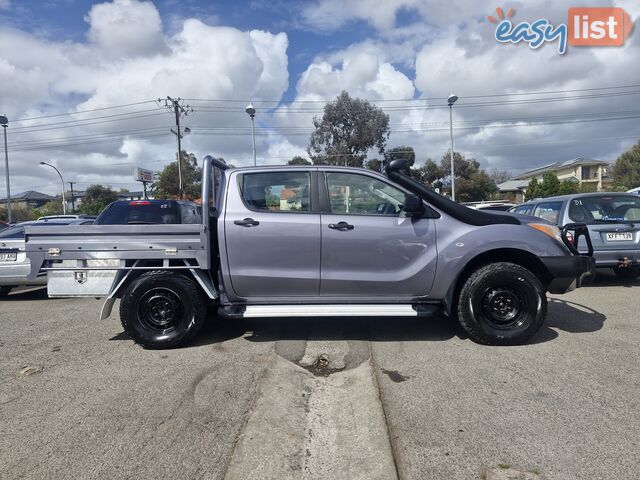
(70,57)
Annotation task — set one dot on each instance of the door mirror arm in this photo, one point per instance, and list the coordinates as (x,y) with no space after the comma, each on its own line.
(413,206)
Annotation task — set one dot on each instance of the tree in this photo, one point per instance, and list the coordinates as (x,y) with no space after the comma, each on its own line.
(349,127)
(168,184)
(472,183)
(20,212)
(550,185)
(568,187)
(52,207)
(405,152)
(533,190)
(499,176)
(96,198)
(626,169)
(428,173)
(298,160)
(375,164)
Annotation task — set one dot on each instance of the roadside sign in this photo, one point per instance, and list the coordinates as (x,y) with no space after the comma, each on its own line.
(143,175)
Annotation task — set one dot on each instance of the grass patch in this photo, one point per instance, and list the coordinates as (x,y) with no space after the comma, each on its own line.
(504,466)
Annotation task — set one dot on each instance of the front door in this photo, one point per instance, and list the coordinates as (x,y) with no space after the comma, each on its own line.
(369,247)
(272,235)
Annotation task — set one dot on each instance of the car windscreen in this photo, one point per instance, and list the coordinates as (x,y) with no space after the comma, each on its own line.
(139,213)
(605,209)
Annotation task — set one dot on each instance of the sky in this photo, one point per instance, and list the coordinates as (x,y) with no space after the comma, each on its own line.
(80,82)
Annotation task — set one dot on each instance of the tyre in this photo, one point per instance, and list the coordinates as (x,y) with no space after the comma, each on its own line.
(4,291)
(502,304)
(627,273)
(162,310)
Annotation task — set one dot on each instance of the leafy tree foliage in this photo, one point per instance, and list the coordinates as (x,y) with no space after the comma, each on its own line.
(550,185)
(20,212)
(405,152)
(626,169)
(533,189)
(349,127)
(168,183)
(52,207)
(499,176)
(375,164)
(429,173)
(568,187)
(472,183)
(297,160)
(96,198)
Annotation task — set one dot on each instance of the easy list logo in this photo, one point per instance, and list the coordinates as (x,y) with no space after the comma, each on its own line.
(586,27)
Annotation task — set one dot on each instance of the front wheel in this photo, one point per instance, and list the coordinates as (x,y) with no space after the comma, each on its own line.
(162,310)
(502,304)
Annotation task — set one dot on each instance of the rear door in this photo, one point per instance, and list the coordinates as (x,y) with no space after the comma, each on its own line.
(369,247)
(272,234)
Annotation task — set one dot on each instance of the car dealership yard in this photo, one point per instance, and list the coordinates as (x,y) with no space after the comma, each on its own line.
(333,398)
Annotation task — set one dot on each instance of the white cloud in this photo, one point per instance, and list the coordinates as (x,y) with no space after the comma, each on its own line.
(126,28)
(143,63)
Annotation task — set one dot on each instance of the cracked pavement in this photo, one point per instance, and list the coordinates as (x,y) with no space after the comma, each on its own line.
(389,398)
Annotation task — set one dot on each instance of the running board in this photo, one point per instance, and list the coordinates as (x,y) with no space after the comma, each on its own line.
(350,310)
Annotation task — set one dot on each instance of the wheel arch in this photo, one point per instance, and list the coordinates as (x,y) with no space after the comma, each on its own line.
(517,256)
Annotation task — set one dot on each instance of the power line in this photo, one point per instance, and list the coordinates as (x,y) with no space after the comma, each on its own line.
(83,111)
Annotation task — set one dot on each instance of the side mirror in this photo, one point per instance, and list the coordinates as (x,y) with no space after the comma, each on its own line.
(413,206)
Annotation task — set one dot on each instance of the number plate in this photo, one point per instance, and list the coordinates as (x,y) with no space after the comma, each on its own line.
(8,257)
(619,237)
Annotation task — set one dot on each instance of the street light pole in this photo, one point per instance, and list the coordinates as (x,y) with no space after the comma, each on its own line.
(5,123)
(451,100)
(251,111)
(64,202)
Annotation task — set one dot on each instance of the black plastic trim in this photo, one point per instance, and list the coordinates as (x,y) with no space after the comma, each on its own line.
(568,271)
(396,171)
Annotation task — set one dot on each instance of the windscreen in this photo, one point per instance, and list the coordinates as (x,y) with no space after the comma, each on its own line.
(139,213)
(605,209)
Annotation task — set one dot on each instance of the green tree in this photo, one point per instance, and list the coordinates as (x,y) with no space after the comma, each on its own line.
(349,127)
(20,212)
(533,190)
(375,164)
(405,152)
(168,185)
(96,198)
(472,183)
(550,185)
(428,173)
(52,207)
(298,160)
(568,187)
(626,168)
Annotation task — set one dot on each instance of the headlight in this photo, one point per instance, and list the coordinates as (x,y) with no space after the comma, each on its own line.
(551,230)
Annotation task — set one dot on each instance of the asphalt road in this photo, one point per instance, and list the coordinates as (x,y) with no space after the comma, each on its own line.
(327,398)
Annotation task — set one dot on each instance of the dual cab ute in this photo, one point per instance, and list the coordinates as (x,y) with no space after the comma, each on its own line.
(316,241)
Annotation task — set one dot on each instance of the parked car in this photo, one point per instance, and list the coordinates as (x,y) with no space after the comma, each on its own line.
(140,212)
(14,263)
(314,241)
(498,205)
(67,217)
(613,220)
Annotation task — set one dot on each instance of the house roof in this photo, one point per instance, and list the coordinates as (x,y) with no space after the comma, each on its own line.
(513,185)
(29,196)
(558,166)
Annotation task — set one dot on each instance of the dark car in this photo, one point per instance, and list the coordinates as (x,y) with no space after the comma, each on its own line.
(613,220)
(151,212)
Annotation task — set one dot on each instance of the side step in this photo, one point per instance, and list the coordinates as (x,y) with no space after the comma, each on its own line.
(346,310)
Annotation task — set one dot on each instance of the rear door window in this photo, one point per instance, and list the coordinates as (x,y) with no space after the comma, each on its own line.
(524,209)
(549,211)
(277,191)
(139,213)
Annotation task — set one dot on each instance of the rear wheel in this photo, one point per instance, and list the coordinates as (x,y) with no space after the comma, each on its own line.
(627,273)
(4,291)
(502,304)
(162,310)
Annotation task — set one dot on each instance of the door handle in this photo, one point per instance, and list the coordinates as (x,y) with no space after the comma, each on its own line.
(341,226)
(247,222)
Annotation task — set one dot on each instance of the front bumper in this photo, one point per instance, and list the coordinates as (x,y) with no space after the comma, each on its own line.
(568,272)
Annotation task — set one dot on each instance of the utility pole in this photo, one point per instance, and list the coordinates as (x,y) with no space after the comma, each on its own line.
(5,123)
(73,197)
(175,105)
